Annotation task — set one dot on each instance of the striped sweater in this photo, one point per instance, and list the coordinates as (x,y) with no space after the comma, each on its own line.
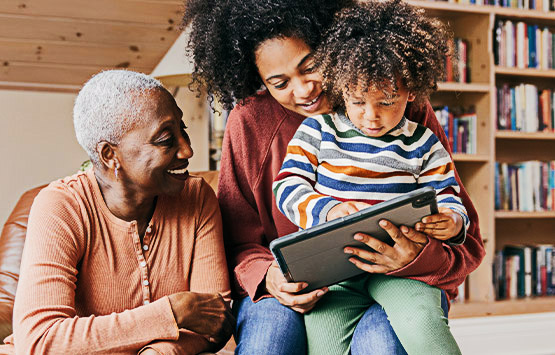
(330,161)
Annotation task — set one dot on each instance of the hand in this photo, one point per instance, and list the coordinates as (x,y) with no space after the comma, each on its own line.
(443,225)
(345,208)
(206,314)
(284,291)
(408,244)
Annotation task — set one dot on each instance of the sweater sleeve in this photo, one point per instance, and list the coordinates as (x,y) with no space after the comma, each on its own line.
(294,185)
(438,172)
(209,268)
(188,343)
(247,254)
(45,319)
(439,264)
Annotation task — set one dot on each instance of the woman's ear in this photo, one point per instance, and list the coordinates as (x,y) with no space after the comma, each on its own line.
(107,155)
(411,97)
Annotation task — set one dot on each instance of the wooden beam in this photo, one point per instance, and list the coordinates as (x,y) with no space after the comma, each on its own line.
(50,73)
(157,12)
(80,31)
(145,56)
(10,85)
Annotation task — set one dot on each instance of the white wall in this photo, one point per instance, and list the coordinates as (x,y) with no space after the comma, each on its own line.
(38,145)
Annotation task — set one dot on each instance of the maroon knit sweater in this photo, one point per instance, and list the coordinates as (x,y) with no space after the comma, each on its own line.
(255,143)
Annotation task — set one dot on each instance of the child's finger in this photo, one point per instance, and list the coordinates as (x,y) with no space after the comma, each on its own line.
(436,218)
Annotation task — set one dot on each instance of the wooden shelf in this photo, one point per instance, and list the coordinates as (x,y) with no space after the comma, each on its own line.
(505,307)
(527,215)
(525,135)
(470,157)
(528,72)
(463,87)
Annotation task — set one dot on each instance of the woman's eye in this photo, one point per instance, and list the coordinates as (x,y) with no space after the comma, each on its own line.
(280,85)
(310,69)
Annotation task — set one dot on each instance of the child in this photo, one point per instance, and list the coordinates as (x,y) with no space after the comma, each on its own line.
(376,57)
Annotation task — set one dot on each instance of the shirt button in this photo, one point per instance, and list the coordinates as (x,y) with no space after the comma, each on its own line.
(145,282)
(148,230)
(143,263)
(146,302)
(145,247)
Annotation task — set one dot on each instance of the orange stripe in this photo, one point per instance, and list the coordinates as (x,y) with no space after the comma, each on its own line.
(302,210)
(363,173)
(295,149)
(440,170)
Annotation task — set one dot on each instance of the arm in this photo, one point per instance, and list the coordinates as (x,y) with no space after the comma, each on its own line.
(294,185)
(49,322)
(439,264)
(208,275)
(437,171)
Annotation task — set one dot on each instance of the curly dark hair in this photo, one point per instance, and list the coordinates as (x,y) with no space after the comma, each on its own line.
(226,33)
(376,43)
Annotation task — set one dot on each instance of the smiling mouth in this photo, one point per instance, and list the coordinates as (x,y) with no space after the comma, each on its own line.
(312,102)
(180,171)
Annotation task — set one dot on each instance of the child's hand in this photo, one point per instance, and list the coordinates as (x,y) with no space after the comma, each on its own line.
(345,209)
(444,225)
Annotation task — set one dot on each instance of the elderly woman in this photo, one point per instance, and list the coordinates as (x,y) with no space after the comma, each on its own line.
(269,45)
(126,257)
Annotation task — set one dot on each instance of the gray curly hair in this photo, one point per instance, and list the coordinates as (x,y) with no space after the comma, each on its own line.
(108,106)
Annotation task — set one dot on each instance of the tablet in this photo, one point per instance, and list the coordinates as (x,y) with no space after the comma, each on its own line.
(315,255)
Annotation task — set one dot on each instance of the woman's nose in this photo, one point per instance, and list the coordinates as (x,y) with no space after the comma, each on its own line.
(184,151)
(303,88)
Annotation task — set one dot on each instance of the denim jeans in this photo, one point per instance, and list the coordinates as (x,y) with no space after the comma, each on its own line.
(268,327)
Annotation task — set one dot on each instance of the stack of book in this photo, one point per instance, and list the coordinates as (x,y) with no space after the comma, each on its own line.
(525,108)
(522,45)
(524,271)
(526,187)
(456,67)
(459,125)
(540,5)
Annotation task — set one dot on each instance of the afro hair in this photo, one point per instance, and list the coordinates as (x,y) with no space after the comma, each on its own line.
(226,33)
(375,44)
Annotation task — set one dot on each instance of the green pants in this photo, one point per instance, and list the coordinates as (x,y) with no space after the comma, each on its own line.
(412,307)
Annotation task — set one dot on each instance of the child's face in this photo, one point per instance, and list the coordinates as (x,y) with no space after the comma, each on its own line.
(374,112)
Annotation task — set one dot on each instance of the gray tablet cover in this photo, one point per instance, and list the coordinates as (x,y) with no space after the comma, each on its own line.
(316,256)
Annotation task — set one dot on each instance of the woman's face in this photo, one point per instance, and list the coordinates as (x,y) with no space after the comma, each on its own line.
(154,156)
(287,68)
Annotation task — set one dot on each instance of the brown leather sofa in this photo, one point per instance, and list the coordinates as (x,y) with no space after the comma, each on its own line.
(11,248)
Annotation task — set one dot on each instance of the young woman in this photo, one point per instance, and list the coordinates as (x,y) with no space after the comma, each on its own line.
(240,47)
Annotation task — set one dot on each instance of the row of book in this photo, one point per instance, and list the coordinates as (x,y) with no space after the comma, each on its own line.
(527,187)
(459,125)
(522,45)
(524,271)
(456,67)
(525,108)
(540,5)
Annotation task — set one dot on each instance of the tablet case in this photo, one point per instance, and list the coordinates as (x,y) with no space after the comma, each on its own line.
(315,255)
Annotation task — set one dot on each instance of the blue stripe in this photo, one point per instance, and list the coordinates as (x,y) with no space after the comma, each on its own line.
(440,185)
(318,206)
(288,164)
(369,148)
(286,192)
(313,123)
(379,187)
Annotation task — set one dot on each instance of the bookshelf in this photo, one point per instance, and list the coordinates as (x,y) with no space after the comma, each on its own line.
(476,24)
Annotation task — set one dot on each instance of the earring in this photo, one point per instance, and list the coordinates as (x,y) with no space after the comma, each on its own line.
(116,170)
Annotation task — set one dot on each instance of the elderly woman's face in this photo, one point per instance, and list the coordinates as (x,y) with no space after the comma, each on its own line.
(154,156)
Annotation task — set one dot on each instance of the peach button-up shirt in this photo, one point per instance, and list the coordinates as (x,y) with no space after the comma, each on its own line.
(88,285)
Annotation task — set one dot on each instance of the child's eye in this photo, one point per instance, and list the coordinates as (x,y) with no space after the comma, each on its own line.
(358,103)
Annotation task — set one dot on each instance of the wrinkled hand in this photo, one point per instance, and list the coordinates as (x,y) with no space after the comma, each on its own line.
(285,292)
(408,244)
(345,208)
(206,314)
(443,225)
